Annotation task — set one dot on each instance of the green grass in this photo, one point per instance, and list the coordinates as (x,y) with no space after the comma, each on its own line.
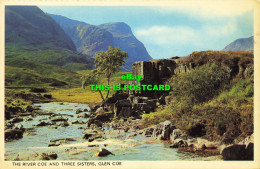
(80,95)
(208,96)
(28,73)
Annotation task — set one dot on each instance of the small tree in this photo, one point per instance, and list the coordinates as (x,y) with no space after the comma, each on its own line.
(108,63)
(90,78)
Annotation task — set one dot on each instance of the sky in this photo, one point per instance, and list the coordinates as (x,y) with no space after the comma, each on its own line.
(168,31)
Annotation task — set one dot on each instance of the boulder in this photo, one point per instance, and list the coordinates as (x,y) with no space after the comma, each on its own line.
(179,143)
(18,126)
(11,134)
(123,108)
(43,123)
(59,141)
(243,151)
(29,109)
(7,115)
(16,120)
(115,133)
(91,134)
(83,115)
(28,119)
(176,133)
(64,124)
(234,152)
(167,130)
(78,111)
(103,152)
(33,156)
(148,132)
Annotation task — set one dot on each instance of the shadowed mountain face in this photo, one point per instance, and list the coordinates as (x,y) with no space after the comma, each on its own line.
(242,44)
(32,35)
(90,39)
(28,25)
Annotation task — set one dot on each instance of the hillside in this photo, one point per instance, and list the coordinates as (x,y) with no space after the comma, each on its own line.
(28,73)
(90,39)
(212,96)
(242,44)
(33,35)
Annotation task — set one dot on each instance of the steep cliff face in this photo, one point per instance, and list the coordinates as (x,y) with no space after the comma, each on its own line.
(124,38)
(90,39)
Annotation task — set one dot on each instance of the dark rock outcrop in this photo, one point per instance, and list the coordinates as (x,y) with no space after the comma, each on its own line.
(103,152)
(12,134)
(123,108)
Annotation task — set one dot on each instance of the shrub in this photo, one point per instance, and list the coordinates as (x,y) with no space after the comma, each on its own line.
(200,84)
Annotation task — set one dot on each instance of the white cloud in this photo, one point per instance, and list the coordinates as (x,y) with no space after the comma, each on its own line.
(184,35)
(164,35)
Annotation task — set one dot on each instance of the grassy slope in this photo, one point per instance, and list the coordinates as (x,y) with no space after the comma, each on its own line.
(79,95)
(28,73)
(227,114)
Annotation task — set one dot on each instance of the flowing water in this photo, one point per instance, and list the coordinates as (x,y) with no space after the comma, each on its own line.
(132,148)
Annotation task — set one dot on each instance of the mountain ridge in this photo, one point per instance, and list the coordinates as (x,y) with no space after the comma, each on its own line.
(90,39)
(241,44)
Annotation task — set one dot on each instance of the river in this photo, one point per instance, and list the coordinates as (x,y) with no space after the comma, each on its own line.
(125,148)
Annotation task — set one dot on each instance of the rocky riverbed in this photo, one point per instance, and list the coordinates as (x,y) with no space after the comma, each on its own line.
(61,131)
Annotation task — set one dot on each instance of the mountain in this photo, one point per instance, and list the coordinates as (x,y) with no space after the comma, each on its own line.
(90,39)
(242,44)
(124,38)
(32,35)
(28,25)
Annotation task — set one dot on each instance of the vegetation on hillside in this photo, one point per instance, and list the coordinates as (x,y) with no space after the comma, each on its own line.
(210,98)
(27,73)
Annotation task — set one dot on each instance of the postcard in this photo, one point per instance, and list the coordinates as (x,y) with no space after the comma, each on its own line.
(129,84)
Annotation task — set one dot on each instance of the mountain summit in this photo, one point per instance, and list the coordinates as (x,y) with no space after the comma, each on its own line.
(90,39)
(242,44)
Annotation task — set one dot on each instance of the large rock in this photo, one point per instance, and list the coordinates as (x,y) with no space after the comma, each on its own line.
(123,108)
(83,115)
(115,133)
(59,141)
(148,132)
(91,135)
(16,120)
(103,152)
(167,130)
(163,130)
(176,134)
(18,126)
(238,152)
(179,143)
(11,134)
(33,156)
(242,151)
(43,123)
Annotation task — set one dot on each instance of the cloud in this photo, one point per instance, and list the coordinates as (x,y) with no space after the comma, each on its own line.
(162,35)
(184,35)
(208,9)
